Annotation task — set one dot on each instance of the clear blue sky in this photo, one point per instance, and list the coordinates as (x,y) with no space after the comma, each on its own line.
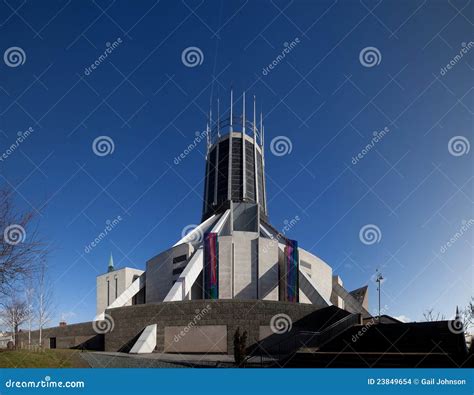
(320,96)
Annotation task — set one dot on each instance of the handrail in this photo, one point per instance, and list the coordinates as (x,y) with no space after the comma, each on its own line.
(251,355)
(327,329)
(352,319)
(346,318)
(319,335)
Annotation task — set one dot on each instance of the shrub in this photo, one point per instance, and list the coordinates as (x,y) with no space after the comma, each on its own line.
(240,345)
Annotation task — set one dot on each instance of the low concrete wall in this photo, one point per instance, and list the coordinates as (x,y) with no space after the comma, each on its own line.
(197,339)
(200,325)
(80,335)
(248,315)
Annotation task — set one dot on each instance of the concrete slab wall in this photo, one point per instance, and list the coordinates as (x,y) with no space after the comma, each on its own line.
(245,265)
(321,273)
(243,258)
(303,298)
(199,339)
(118,280)
(336,300)
(267,269)
(159,272)
(225,267)
(69,336)
(124,279)
(350,303)
(248,315)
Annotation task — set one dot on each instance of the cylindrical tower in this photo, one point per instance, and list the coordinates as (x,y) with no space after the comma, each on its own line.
(235,162)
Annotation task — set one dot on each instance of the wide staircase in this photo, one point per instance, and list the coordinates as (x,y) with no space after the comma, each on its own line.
(331,337)
(427,344)
(311,332)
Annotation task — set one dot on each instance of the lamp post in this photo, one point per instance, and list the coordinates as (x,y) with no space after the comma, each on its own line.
(379,280)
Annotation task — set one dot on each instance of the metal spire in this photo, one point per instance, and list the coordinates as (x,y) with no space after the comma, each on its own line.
(264,197)
(244,173)
(255,162)
(210,122)
(254,120)
(231,108)
(229,175)
(243,114)
(218,118)
(207,139)
(110,267)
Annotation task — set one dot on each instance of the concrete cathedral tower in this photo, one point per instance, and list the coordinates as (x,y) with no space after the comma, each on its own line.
(235,253)
(234,162)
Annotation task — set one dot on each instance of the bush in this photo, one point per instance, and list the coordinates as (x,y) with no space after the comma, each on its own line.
(240,345)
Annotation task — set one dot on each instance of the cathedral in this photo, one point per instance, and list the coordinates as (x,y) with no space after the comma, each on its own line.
(235,252)
(234,255)
(235,274)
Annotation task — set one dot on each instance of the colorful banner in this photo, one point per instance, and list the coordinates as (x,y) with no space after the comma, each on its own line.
(292,271)
(211,266)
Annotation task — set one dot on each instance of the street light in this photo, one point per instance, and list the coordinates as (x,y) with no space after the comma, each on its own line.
(379,280)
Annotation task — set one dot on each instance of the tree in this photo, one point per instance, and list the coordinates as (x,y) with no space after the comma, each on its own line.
(29,299)
(15,312)
(466,315)
(44,300)
(20,247)
(430,315)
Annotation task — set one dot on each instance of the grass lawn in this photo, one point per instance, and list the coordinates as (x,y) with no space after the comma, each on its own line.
(42,359)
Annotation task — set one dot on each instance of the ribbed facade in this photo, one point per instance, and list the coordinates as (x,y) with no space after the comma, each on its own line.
(231,166)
